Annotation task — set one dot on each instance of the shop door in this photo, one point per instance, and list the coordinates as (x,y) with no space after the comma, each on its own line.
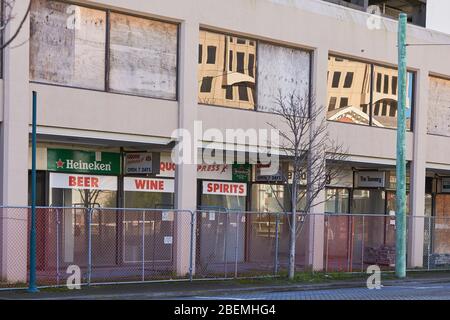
(222,227)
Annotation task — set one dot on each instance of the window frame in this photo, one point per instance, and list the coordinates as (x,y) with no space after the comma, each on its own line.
(372,88)
(256,43)
(107,61)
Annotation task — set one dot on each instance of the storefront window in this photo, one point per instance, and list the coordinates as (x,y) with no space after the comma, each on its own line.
(439,106)
(81,194)
(143,56)
(337,201)
(67,44)
(226,70)
(282,71)
(368,201)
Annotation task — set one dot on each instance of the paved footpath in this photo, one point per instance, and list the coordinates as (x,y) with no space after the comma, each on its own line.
(410,291)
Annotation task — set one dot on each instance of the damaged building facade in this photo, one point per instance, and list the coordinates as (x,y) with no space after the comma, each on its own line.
(115,79)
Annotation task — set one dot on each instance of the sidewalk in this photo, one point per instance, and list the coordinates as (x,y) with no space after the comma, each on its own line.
(170,290)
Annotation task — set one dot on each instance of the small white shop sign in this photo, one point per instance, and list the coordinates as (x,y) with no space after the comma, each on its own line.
(445,185)
(148,185)
(83,182)
(139,163)
(225,188)
(370,179)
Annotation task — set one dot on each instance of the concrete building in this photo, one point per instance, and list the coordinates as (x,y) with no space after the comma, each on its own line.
(116,78)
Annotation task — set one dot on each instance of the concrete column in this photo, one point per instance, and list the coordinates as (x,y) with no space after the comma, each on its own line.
(316,221)
(186,173)
(418,172)
(14,150)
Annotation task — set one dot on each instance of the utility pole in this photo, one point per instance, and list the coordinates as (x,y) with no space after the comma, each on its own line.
(32,285)
(400,221)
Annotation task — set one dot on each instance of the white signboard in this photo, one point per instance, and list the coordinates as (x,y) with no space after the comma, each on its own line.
(138,163)
(84,182)
(225,188)
(148,185)
(370,179)
(204,171)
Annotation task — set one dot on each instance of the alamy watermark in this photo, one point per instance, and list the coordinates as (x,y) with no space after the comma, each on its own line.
(232,146)
(374,280)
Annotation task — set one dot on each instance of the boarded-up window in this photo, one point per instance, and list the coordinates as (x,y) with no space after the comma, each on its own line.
(281,69)
(143,57)
(439,107)
(67,45)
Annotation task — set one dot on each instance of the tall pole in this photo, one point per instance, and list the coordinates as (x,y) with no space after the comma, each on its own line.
(400,262)
(32,286)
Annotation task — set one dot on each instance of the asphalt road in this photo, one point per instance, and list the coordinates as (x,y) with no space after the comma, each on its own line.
(410,291)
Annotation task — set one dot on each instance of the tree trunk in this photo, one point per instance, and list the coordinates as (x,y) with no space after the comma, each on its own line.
(293,236)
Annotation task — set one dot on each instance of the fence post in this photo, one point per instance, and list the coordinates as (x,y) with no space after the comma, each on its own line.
(89,246)
(277,223)
(225,236)
(143,246)
(191,249)
(327,226)
(430,237)
(236,247)
(58,221)
(362,245)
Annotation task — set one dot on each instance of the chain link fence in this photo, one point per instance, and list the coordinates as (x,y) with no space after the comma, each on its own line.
(143,245)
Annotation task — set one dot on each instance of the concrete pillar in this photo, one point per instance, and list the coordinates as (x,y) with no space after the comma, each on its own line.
(14,150)
(316,226)
(186,173)
(418,172)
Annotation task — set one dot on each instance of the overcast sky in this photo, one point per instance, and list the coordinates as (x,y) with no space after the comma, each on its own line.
(438,15)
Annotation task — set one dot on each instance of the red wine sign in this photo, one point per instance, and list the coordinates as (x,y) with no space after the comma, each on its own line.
(149,185)
(225,188)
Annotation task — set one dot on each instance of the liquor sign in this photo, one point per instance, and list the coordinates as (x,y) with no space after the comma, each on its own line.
(65,160)
(204,171)
(225,188)
(139,163)
(445,185)
(83,182)
(149,185)
(241,172)
(370,179)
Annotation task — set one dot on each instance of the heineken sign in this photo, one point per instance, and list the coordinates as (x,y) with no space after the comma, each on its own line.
(64,160)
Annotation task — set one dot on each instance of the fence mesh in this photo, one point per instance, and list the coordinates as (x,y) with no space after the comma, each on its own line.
(135,245)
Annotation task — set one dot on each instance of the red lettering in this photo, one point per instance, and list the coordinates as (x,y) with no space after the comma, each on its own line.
(95,183)
(72,181)
(140,184)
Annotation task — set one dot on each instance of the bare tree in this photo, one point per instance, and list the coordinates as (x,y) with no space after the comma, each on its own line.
(8,16)
(305,138)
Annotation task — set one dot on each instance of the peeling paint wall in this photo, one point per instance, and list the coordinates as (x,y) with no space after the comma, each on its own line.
(67,45)
(439,107)
(281,69)
(143,56)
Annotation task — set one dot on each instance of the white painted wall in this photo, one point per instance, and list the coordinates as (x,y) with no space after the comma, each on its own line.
(438,15)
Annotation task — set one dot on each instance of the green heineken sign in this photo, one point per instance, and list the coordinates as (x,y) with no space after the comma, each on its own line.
(75,161)
(241,172)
